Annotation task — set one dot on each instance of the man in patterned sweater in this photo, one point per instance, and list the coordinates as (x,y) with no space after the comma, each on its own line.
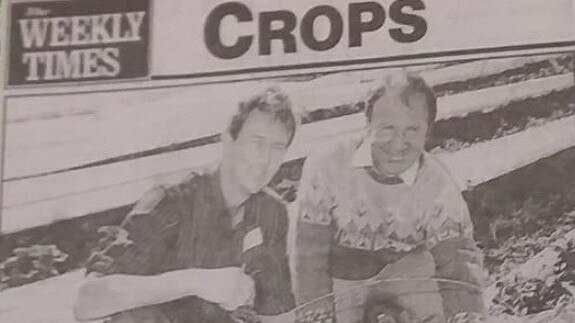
(198,250)
(378,207)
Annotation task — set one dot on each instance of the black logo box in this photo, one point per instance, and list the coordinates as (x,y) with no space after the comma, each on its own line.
(132,58)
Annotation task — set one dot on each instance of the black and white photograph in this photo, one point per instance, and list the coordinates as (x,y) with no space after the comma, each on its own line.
(398,161)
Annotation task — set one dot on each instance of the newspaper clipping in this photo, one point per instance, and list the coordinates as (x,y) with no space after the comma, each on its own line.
(283,161)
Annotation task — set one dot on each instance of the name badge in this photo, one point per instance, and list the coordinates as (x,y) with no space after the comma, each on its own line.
(252,239)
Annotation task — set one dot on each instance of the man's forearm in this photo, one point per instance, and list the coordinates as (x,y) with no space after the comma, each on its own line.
(107,295)
(460,261)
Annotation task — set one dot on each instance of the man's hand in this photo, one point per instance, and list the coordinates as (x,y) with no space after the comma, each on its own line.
(459,259)
(459,262)
(228,287)
(101,297)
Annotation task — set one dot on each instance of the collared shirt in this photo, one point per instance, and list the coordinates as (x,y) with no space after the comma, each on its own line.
(336,188)
(188,226)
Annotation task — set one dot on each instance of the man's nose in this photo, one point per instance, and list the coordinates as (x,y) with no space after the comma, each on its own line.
(397,142)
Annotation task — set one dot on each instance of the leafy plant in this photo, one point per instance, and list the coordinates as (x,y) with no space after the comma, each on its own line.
(32,264)
(535,295)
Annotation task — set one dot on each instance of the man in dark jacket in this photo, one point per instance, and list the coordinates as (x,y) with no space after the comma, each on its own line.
(199,250)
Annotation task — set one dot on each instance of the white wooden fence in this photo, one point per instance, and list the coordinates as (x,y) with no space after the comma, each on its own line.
(40,200)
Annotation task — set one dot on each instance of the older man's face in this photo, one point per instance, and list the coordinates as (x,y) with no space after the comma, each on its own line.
(399,131)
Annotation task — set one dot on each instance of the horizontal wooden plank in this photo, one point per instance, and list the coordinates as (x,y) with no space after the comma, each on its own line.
(509,152)
(74,182)
(121,184)
(488,99)
(67,131)
(133,177)
(57,132)
(49,187)
(482,68)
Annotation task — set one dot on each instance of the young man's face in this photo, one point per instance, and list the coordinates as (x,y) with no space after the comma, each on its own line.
(258,151)
(399,132)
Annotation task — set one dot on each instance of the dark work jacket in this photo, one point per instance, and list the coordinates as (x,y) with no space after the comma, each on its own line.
(188,226)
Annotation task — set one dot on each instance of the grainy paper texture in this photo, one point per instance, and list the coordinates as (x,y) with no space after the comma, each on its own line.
(288,161)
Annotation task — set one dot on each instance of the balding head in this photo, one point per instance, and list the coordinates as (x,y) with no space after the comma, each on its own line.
(409,89)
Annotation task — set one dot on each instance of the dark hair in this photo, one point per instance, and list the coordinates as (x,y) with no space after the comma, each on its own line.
(413,84)
(272,101)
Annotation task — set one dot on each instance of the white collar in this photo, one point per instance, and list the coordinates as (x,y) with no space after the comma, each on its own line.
(362,158)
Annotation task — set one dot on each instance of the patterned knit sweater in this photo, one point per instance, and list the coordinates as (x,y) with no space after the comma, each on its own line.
(350,226)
